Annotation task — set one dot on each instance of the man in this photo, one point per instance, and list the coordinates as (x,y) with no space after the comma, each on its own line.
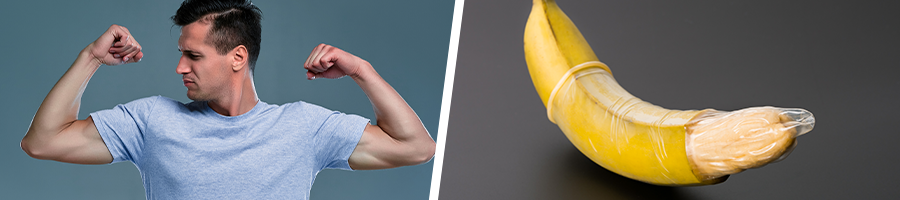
(226,144)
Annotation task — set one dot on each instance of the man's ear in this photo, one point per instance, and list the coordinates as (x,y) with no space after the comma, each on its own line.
(240,58)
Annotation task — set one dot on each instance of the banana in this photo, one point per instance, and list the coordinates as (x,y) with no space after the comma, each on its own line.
(637,139)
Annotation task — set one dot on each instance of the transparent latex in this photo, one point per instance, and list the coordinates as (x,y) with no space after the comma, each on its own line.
(722,143)
(652,144)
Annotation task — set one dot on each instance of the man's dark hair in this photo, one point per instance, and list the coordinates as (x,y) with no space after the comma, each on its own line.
(234,22)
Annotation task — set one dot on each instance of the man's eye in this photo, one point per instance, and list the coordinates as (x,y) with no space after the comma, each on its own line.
(193,57)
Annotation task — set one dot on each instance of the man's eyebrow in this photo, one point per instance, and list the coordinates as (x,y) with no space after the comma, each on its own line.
(186,51)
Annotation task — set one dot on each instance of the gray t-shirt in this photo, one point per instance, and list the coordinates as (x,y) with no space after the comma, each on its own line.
(188,151)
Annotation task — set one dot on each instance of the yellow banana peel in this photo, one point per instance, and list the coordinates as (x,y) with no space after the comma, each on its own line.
(637,139)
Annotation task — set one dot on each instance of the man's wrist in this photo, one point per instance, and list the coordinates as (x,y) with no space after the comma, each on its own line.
(88,57)
(364,72)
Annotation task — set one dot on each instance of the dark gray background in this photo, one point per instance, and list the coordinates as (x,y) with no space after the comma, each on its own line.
(837,59)
(406,41)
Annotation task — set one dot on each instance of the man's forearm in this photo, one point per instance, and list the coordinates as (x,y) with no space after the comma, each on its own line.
(393,114)
(60,108)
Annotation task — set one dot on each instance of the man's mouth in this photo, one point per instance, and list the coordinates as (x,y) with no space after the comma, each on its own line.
(186,82)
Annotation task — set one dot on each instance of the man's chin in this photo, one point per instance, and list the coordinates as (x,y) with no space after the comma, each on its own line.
(195,97)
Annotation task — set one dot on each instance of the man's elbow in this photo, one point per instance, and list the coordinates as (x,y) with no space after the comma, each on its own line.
(31,149)
(34,149)
(413,154)
(424,154)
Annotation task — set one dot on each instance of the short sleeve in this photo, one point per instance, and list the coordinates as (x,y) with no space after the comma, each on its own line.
(123,126)
(337,138)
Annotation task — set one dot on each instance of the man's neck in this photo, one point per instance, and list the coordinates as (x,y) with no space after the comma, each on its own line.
(241,101)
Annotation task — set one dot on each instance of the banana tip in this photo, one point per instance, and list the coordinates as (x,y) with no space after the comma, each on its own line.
(798,118)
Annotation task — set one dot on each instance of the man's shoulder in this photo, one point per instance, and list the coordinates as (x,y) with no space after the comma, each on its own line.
(165,103)
(303,106)
(154,100)
(306,110)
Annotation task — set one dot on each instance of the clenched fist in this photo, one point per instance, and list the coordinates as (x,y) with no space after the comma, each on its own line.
(115,47)
(327,61)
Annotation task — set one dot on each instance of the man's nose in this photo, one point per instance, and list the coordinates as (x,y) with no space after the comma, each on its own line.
(183,67)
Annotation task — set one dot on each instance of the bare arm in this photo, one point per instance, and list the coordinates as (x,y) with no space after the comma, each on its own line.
(400,138)
(55,132)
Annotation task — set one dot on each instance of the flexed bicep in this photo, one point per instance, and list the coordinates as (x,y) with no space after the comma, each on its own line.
(378,150)
(78,142)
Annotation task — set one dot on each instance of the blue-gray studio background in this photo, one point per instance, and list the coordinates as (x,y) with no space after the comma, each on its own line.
(406,41)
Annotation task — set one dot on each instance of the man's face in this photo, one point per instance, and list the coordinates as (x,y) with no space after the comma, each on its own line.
(205,72)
